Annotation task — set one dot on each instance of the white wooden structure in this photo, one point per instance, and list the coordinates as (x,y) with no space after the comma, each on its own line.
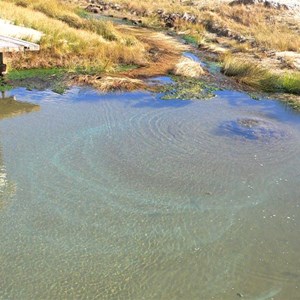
(9,44)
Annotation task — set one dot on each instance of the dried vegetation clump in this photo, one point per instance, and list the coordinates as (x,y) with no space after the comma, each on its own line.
(109,83)
(188,68)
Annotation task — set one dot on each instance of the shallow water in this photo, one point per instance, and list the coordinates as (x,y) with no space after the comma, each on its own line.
(125,196)
(212,67)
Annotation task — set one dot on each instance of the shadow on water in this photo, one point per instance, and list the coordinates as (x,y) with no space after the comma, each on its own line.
(268,107)
(136,99)
(142,99)
(9,108)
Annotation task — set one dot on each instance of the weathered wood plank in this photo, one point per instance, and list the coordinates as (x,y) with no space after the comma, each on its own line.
(9,44)
(7,28)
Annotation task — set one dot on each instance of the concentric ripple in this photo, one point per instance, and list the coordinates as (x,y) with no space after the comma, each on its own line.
(126,196)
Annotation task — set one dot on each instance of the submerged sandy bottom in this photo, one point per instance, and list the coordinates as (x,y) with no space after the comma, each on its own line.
(124,196)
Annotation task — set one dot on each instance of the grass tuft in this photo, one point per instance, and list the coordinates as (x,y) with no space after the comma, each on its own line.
(188,68)
(258,77)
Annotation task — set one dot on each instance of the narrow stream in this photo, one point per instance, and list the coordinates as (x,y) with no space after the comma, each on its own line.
(126,196)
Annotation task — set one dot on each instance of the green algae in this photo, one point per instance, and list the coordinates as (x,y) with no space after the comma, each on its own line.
(188,89)
(190,39)
(32,73)
(37,79)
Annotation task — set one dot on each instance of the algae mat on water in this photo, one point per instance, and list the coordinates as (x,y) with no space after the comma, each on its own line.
(188,89)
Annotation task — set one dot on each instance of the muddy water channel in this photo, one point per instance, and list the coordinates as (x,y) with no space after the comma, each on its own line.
(126,196)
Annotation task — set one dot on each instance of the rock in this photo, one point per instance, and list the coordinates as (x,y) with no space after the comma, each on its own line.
(160,11)
(188,18)
(116,7)
(154,51)
(170,20)
(290,59)
(241,39)
(93,9)
(266,3)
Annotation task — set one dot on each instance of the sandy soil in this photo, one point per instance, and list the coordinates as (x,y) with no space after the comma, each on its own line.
(294,4)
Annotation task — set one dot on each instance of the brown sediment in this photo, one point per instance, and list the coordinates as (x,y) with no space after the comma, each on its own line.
(164,52)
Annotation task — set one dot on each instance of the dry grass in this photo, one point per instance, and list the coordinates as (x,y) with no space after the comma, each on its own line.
(245,71)
(188,68)
(260,78)
(71,41)
(277,37)
(265,26)
(108,83)
(69,14)
(164,52)
(85,44)
(65,46)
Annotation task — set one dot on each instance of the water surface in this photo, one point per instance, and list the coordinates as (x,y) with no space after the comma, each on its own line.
(125,196)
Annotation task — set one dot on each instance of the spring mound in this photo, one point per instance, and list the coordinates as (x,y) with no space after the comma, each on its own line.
(253,129)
